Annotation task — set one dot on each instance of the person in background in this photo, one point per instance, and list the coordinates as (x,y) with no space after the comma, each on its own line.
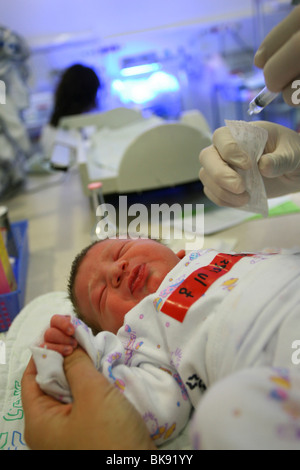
(279,57)
(76,93)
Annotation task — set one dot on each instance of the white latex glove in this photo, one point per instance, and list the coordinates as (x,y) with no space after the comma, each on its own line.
(279,165)
(279,57)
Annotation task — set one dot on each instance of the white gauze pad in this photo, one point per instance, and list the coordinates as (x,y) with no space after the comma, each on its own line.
(252,141)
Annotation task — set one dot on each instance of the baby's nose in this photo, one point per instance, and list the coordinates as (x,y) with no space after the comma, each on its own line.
(119,271)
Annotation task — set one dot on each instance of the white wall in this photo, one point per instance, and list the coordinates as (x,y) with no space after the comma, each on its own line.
(107,18)
(86,29)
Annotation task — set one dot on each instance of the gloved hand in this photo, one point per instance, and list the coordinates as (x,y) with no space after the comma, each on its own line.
(279,57)
(279,165)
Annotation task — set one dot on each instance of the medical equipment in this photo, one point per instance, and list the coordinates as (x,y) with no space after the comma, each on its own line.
(261,100)
(129,153)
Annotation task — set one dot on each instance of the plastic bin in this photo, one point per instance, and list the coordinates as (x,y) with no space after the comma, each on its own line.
(11,304)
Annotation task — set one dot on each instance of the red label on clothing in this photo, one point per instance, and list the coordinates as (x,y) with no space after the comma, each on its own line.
(194,286)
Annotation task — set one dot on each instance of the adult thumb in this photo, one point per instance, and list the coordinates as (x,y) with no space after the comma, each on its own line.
(275,165)
(267,166)
(83,376)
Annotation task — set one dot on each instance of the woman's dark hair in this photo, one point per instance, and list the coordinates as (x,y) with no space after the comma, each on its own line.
(76,92)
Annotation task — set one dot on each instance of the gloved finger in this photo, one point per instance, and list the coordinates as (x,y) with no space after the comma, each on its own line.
(277,38)
(222,196)
(284,65)
(277,164)
(228,150)
(267,165)
(227,199)
(216,173)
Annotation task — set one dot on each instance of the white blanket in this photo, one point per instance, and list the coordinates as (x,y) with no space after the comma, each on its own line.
(25,330)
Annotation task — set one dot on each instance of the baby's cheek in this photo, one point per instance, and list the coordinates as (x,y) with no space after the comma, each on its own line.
(115,315)
(154,283)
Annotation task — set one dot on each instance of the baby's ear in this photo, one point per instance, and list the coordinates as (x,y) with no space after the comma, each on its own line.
(180,254)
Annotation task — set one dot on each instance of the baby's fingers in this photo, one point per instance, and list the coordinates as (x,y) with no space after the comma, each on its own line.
(63,323)
(55,336)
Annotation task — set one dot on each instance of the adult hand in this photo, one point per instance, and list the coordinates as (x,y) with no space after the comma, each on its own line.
(279,57)
(279,166)
(100,417)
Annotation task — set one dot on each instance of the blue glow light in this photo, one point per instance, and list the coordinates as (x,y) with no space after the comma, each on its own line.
(143,90)
(163,82)
(139,70)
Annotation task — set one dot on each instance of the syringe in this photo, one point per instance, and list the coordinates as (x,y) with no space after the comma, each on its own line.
(261,100)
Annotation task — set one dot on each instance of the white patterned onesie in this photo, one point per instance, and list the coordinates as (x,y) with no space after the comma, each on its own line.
(217,336)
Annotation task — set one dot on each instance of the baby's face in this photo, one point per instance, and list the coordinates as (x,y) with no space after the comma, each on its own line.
(115,275)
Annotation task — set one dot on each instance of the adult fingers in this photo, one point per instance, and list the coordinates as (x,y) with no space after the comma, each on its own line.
(277,37)
(228,149)
(215,173)
(226,198)
(82,375)
(283,67)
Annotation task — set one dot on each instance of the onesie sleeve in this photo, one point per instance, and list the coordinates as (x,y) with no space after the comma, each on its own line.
(157,393)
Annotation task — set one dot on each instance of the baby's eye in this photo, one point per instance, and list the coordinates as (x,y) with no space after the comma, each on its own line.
(121,251)
(102,297)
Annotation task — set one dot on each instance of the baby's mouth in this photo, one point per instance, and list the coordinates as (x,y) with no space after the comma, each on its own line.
(136,279)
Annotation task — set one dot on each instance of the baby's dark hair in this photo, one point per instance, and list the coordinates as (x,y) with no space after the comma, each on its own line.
(72,278)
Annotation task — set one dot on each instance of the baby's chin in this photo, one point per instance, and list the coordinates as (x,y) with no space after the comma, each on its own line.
(153,284)
(144,293)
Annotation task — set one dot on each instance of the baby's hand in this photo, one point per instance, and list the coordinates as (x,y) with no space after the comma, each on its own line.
(59,337)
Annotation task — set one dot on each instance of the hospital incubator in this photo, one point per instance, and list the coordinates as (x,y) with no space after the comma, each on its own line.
(129,153)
